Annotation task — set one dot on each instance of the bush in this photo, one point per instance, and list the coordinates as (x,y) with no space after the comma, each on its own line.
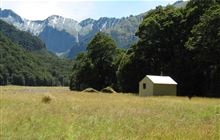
(47,99)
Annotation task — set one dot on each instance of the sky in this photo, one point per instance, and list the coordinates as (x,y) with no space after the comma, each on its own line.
(80,9)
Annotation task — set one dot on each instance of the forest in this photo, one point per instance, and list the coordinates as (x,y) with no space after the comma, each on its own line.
(183,43)
(25,61)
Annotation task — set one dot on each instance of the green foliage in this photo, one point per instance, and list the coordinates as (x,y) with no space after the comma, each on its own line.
(24,39)
(129,71)
(18,79)
(182,43)
(83,73)
(205,46)
(155,51)
(25,61)
(58,68)
(96,68)
(101,49)
(17,63)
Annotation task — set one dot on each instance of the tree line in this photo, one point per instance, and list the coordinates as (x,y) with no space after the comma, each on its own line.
(182,43)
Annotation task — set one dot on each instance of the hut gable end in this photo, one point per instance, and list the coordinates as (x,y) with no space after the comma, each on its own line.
(152,85)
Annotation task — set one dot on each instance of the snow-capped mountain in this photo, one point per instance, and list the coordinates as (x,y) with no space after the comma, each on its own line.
(61,34)
(58,33)
(65,36)
(22,24)
(36,27)
(60,23)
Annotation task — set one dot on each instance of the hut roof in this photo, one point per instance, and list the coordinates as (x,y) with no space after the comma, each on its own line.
(161,79)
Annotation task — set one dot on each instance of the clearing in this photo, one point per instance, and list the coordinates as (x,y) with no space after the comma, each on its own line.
(74,115)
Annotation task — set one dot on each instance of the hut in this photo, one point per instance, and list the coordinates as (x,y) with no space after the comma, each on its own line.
(152,85)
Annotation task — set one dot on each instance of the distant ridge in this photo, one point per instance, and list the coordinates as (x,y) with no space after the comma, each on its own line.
(67,37)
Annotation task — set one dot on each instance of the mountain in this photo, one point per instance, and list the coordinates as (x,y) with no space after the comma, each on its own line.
(27,40)
(18,66)
(67,37)
(180,3)
(24,60)
(121,30)
(58,33)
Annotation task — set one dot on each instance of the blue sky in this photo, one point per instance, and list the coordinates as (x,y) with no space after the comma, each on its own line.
(80,9)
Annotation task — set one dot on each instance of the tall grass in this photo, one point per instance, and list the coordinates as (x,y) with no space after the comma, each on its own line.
(82,116)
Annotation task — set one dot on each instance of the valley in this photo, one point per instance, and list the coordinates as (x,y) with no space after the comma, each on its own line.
(154,75)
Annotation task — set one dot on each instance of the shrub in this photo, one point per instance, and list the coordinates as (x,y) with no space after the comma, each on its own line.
(47,99)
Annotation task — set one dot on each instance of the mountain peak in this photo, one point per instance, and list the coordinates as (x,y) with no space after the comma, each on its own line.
(6,13)
(60,18)
(62,34)
(54,16)
(87,22)
(177,2)
(180,3)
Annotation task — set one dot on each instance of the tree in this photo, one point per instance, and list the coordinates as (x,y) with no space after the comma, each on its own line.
(182,43)
(30,79)
(83,75)
(96,68)
(158,49)
(131,70)
(1,75)
(1,79)
(101,51)
(18,79)
(205,46)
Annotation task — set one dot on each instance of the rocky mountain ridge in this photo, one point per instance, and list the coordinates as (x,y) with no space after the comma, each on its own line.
(65,36)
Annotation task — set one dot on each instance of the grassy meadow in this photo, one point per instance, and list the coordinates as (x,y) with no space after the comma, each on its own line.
(68,115)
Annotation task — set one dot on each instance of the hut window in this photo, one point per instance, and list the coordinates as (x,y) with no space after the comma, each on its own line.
(144,86)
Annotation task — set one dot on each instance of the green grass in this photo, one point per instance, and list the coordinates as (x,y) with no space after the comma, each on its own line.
(73,115)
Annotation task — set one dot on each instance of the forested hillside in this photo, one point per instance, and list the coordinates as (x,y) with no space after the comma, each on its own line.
(183,43)
(24,39)
(24,60)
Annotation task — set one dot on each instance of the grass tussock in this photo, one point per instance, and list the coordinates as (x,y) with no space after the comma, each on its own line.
(47,98)
(104,116)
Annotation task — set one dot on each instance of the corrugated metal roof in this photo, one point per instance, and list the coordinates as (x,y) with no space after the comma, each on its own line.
(161,79)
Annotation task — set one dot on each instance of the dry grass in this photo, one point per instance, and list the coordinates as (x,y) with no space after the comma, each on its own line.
(108,90)
(104,116)
(90,90)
